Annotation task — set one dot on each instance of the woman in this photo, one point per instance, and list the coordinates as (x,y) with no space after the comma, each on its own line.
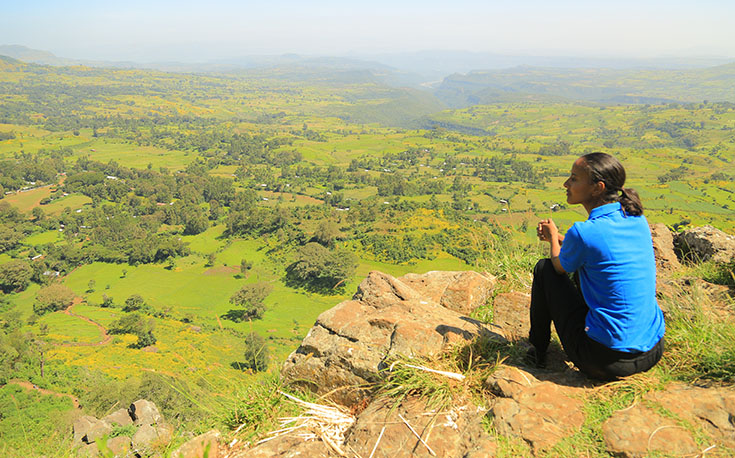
(610,326)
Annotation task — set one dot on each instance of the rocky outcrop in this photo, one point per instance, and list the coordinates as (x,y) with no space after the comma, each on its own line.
(413,316)
(541,413)
(207,444)
(663,247)
(151,431)
(456,431)
(705,243)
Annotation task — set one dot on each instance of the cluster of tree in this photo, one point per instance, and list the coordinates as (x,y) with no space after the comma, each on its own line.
(508,169)
(52,298)
(137,324)
(674,174)
(319,268)
(25,168)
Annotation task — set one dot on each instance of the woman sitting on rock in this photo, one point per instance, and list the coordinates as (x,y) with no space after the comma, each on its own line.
(609,324)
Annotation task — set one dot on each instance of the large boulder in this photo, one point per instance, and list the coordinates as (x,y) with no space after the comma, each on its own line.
(704,243)
(511,314)
(663,247)
(120,417)
(349,344)
(144,412)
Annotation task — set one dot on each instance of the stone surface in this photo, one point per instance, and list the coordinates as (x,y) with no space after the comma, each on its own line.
(704,243)
(196,447)
(456,432)
(97,431)
(510,313)
(81,426)
(638,431)
(712,408)
(288,447)
(663,247)
(462,292)
(120,417)
(120,446)
(540,412)
(88,451)
(150,436)
(144,412)
(349,343)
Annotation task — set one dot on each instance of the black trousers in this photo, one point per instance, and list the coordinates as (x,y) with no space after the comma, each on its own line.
(555,298)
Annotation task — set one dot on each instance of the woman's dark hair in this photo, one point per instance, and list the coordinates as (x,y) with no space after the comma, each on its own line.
(605,168)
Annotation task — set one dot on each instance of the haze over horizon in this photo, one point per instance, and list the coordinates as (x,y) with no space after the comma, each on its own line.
(188,31)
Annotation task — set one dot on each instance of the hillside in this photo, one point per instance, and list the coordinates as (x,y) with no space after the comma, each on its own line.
(174,236)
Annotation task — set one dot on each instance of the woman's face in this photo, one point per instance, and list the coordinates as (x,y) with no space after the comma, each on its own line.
(580,189)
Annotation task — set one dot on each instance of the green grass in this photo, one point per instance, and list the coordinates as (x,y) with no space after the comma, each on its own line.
(67,328)
(42,238)
(32,424)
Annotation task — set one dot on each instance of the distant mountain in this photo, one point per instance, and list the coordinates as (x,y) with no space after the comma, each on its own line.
(589,84)
(35,56)
(435,65)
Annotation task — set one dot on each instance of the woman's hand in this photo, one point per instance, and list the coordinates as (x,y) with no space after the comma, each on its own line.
(547,231)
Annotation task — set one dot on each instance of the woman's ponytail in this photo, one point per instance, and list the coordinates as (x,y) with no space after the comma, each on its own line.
(631,202)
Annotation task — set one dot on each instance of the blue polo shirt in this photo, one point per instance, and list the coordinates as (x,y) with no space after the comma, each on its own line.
(613,254)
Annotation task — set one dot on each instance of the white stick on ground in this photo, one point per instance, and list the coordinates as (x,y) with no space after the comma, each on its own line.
(376,443)
(417,435)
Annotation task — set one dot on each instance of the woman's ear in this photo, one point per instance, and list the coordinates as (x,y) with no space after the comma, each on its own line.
(599,189)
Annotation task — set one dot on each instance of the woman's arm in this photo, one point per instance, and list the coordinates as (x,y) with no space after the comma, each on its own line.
(548,232)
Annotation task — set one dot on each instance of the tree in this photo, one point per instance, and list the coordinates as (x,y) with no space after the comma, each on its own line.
(90,285)
(9,238)
(15,276)
(256,354)
(322,268)
(136,324)
(52,298)
(250,298)
(133,303)
(245,265)
(326,233)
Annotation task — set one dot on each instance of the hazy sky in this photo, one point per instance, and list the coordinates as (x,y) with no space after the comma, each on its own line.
(210,29)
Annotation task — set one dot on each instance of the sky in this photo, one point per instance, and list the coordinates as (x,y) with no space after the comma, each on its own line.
(200,31)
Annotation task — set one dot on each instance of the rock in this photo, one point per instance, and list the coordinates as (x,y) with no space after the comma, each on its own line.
(638,431)
(456,432)
(462,292)
(712,408)
(149,436)
(704,243)
(511,314)
(81,426)
(98,430)
(349,343)
(120,446)
(208,442)
(663,247)
(540,412)
(144,413)
(120,417)
(88,451)
(290,447)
